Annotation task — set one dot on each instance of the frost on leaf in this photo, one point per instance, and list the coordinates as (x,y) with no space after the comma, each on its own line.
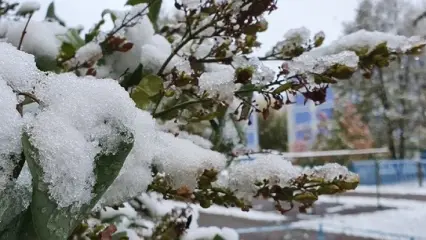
(260,74)
(219,83)
(271,176)
(294,43)
(40,38)
(135,176)
(10,134)
(87,54)
(330,172)
(211,233)
(73,127)
(242,177)
(364,40)
(183,161)
(18,69)
(197,140)
(341,65)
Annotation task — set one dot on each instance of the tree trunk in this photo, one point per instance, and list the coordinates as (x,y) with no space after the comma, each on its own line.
(386,106)
(402,122)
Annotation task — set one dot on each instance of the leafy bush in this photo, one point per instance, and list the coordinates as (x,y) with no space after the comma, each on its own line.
(92,121)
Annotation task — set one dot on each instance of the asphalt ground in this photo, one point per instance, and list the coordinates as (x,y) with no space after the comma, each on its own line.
(318,211)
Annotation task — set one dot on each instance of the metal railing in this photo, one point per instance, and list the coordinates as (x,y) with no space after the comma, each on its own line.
(321,233)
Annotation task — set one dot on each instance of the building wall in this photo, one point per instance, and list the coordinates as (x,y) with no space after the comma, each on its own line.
(303,121)
(252,134)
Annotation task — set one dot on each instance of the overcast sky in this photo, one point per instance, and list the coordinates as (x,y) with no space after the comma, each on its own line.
(316,15)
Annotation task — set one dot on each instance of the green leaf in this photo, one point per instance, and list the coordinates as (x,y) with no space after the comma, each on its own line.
(111,13)
(120,236)
(136,2)
(218,237)
(282,88)
(154,12)
(107,165)
(72,37)
(48,219)
(245,111)
(67,51)
(150,86)
(52,15)
(12,206)
(45,63)
(52,222)
(133,79)
(94,32)
(305,197)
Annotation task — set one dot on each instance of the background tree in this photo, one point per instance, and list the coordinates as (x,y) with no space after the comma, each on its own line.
(390,101)
(345,131)
(273,131)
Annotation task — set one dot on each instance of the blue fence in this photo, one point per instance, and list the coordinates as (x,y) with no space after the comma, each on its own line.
(389,171)
(337,229)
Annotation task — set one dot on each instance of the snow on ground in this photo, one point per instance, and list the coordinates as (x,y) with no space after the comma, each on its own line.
(162,207)
(404,222)
(404,188)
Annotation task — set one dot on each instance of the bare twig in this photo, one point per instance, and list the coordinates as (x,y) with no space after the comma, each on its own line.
(20,106)
(24,32)
(420,17)
(126,22)
(30,95)
(180,106)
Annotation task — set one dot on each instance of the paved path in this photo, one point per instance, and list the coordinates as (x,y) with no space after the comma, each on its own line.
(292,216)
(319,210)
(387,195)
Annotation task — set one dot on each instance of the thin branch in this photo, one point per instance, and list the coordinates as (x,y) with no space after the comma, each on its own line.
(30,95)
(228,60)
(180,106)
(175,51)
(20,106)
(125,23)
(24,32)
(180,46)
(420,17)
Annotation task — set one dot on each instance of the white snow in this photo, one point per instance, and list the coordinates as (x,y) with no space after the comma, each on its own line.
(161,207)
(218,83)
(243,176)
(365,39)
(40,38)
(297,35)
(79,123)
(407,188)
(191,4)
(28,7)
(18,69)
(261,75)
(198,140)
(10,129)
(126,211)
(183,161)
(309,64)
(139,34)
(332,171)
(210,233)
(135,176)
(400,223)
(89,53)
(293,38)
